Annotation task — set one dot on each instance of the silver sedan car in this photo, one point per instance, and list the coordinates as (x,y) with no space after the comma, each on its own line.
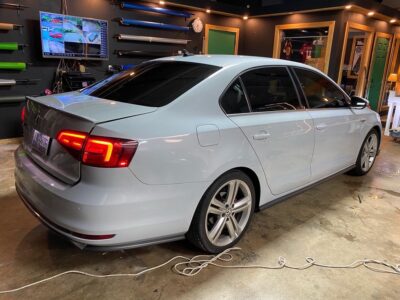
(187,146)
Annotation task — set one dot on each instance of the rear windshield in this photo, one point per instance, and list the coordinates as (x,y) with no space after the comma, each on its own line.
(152,84)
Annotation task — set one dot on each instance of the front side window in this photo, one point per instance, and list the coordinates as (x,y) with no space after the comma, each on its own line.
(270,89)
(152,84)
(234,99)
(320,91)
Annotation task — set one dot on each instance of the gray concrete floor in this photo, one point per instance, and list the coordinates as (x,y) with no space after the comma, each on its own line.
(345,219)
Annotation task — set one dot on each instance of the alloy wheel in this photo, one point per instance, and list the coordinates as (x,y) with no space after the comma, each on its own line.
(369,152)
(228,212)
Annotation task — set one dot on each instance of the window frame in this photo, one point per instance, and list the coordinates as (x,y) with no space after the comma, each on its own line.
(239,76)
(104,92)
(299,86)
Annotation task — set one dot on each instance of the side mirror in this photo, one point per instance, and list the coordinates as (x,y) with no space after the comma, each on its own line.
(359,103)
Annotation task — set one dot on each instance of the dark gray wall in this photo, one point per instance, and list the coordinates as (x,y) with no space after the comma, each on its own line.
(44,69)
(259,32)
(256,38)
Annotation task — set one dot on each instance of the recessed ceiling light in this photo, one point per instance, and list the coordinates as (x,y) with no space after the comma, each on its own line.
(162,2)
(245,17)
(348,6)
(371,13)
(208,11)
(393,20)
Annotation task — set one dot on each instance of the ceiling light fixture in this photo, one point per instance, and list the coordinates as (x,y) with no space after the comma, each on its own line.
(162,2)
(371,13)
(245,17)
(348,6)
(393,20)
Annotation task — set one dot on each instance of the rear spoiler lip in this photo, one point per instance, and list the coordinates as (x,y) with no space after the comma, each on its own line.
(64,112)
(32,98)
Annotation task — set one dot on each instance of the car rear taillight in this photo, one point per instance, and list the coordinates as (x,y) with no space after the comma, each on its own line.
(73,141)
(108,152)
(23,113)
(98,151)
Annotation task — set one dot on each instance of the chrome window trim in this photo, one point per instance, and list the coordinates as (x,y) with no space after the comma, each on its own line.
(266,112)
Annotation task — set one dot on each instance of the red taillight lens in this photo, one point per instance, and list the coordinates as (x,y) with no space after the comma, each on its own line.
(23,113)
(73,141)
(98,151)
(108,152)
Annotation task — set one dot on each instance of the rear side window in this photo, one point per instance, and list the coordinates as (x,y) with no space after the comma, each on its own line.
(152,84)
(270,89)
(234,100)
(320,91)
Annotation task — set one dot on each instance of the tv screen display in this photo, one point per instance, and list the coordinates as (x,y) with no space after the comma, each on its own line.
(65,36)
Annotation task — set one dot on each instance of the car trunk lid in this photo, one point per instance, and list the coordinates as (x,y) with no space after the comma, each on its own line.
(47,116)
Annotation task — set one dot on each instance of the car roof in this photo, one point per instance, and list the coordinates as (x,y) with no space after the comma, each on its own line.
(231,60)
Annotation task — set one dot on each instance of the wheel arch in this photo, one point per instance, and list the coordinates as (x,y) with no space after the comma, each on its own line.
(379,132)
(196,229)
(253,177)
(256,182)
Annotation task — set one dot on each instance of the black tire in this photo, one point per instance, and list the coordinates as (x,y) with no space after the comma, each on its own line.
(358,169)
(197,233)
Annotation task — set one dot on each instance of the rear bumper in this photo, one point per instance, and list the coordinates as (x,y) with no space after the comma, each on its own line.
(65,233)
(107,202)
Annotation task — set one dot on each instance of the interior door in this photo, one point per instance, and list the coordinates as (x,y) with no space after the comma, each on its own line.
(337,128)
(355,60)
(381,50)
(221,40)
(278,127)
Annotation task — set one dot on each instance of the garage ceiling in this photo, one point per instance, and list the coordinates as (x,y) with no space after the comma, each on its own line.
(276,6)
(267,7)
(392,3)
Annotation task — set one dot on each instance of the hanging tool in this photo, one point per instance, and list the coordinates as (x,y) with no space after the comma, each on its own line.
(12,65)
(13,5)
(138,53)
(11,82)
(133,22)
(9,26)
(12,99)
(151,39)
(7,82)
(160,10)
(11,46)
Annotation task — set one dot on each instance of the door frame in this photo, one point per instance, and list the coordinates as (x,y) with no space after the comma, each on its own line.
(330,24)
(353,46)
(394,53)
(361,82)
(236,30)
(384,79)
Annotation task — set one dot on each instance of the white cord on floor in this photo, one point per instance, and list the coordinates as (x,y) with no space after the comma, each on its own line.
(192,266)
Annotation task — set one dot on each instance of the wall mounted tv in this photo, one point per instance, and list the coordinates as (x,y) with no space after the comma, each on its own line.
(71,37)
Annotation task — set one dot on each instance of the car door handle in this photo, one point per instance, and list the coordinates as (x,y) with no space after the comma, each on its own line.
(363,120)
(321,126)
(262,135)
